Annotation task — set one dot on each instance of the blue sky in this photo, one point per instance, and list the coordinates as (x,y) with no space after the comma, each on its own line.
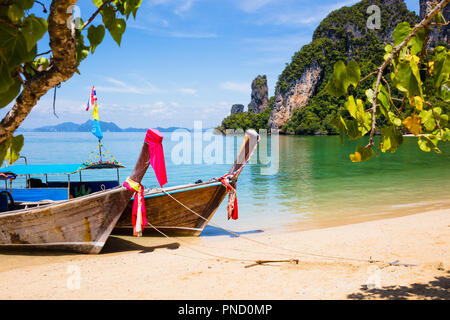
(185,60)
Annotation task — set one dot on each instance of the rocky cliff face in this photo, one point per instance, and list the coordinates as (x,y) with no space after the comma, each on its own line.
(260,95)
(297,96)
(236,108)
(342,35)
(438,34)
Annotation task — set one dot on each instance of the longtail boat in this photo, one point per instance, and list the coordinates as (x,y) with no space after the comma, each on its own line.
(81,224)
(187,209)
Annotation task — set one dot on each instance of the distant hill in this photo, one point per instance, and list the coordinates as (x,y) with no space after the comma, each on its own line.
(86,127)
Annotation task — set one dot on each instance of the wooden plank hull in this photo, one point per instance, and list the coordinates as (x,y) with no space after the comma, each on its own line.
(80,225)
(196,203)
(170,217)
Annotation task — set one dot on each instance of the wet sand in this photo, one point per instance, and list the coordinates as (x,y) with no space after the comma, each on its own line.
(333,263)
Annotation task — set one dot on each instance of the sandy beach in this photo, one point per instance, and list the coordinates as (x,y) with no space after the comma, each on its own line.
(332,264)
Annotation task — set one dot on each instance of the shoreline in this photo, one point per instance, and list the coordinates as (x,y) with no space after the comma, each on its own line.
(195,268)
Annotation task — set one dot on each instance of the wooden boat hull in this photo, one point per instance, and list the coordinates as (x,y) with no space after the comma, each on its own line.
(170,217)
(80,225)
(195,204)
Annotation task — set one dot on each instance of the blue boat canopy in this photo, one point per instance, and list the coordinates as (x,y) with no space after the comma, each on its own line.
(53,168)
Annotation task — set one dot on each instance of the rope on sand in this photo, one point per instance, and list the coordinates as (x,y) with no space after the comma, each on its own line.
(302,253)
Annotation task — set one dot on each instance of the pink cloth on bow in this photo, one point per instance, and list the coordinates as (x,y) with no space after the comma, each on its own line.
(154,139)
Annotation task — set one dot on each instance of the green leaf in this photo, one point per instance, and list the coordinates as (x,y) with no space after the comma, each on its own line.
(416,42)
(40,62)
(441,71)
(16,144)
(95,36)
(25,4)
(444,93)
(361,154)
(351,106)
(6,80)
(443,121)
(97,3)
(401,32)
(388,50)
(407,78)
(427,119)
(353,74)
(426,143)
(15,13)
(13,49)
(383,97)
(343,76)
(391,139)
(108,16)
(3,149)
(356,110)
(394,119)
(136,7)
(81,50)
(341,127)
(10,94)
(446,135)
(369,95)
(34,29)
(117,29)
(354,129)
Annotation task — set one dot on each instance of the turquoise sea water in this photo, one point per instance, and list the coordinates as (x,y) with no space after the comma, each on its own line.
(315,180)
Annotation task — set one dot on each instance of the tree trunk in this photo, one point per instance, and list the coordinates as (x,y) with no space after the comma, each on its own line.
(62,66)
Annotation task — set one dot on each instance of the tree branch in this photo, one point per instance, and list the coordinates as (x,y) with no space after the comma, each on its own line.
(426,21)
(95,14)
(390,97)
(43,6)
(62,67)
(435,118)
(368,76)
(43,53)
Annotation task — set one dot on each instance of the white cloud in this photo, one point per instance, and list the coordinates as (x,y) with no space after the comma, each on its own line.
(180,6)
(308,15)
(122,87)
(185,6)
(174,33)
(192,35)
(243,87)
(287,43)
(252,5)
(188,91)
(45,106)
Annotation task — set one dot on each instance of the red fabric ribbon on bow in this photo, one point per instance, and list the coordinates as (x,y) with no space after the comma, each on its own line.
(139,213)
(232,199)
(154,139)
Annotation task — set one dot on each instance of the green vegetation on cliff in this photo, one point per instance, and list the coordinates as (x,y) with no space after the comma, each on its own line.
(246,120)
(342,35)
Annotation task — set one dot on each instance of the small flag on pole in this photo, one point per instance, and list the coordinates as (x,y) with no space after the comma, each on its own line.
(92,99)
(95,113)
(96,130)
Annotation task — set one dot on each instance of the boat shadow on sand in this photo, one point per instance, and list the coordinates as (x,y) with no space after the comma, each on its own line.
(112,245)
(117,244)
